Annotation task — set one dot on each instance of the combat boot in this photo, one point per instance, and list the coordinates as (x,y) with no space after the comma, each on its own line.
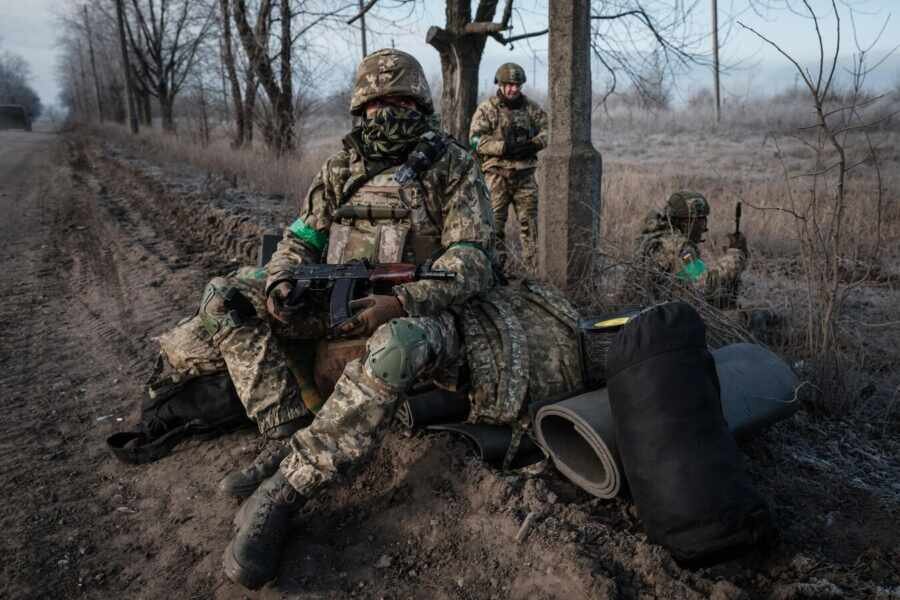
(286,430)
(253,556)
(243,482)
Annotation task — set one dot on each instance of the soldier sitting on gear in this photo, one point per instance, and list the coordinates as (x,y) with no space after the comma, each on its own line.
(668,248)
(440,207)
(507,132)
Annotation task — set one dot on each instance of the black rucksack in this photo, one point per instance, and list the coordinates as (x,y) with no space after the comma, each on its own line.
(680,460)
(203,407)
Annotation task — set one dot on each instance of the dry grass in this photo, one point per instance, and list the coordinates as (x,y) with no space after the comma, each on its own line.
(289,175)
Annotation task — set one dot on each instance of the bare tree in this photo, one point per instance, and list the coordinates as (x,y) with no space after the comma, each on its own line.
(237,98)
(255,41)
(164,38)
(461,45)
(126,68)
(90,38)
(634,38)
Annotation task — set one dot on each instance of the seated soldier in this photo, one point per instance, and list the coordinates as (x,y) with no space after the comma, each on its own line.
(669,254)
(399,191)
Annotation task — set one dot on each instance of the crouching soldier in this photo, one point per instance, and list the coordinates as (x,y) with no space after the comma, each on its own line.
(668,253)
(507,132)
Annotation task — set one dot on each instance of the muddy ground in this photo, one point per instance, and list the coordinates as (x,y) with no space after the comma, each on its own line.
(102,251)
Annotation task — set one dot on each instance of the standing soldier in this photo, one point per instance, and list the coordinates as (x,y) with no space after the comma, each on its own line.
(507,132)
(668,248)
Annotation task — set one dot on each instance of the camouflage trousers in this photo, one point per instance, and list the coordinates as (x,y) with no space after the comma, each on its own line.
(355,417)
(519,189)
(269,364)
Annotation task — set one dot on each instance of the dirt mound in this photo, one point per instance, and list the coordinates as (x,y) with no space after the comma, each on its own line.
(102,258)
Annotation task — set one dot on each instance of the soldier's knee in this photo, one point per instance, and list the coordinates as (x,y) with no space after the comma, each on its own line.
(223,306)
(397,353)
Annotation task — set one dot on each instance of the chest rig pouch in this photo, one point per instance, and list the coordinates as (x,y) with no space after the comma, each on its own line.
(384,222)
(515,125)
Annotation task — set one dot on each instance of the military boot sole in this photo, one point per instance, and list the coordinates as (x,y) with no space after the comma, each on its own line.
(250,578)
(237,486)
(240,516)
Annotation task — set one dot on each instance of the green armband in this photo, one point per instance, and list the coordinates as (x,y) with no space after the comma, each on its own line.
(692,270)
(473,142)
(302,231)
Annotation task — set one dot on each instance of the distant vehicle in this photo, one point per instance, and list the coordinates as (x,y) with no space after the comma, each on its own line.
(14,116)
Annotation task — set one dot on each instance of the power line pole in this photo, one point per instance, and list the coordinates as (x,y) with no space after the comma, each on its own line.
(362,28)
(715,36)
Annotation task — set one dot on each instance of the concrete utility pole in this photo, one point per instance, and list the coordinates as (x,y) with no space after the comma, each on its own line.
(570,166)
(715,34)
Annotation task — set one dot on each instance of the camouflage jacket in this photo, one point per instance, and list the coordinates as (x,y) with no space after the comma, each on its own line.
(668,256)
(449,204)
(494,126)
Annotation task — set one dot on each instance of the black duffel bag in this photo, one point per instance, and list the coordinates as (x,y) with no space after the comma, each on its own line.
(680,460)
(202,407)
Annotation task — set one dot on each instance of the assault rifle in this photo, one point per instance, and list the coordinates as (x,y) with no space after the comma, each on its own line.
(345,282)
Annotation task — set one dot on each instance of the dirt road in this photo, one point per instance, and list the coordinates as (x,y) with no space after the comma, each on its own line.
(96,261)
(82,295)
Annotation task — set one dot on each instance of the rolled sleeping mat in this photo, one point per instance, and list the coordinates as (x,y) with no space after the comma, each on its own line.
(491,442)
(757,389)
(579,435)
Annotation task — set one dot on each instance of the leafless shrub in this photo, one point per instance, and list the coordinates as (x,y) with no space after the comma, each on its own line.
(817,203)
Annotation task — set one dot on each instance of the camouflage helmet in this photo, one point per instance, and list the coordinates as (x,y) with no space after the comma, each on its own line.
(510,73)
(687,205)
(390,72)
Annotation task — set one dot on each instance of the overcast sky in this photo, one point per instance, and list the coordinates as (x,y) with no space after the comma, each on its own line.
(30,29)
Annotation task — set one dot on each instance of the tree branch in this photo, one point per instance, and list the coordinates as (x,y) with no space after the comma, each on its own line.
(364,10)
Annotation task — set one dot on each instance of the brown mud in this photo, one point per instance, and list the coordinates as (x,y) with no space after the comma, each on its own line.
(102,251)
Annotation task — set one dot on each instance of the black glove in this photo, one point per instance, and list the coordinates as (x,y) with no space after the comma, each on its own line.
(524,150)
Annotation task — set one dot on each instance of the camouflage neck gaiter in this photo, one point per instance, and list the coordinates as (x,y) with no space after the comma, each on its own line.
(392,132)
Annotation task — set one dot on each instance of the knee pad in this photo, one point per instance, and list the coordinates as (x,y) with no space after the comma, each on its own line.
(397,353)
(223,306)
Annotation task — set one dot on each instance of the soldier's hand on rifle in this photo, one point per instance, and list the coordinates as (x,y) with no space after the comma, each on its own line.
(527,149)
(374,311)
(276,302)
(737,241)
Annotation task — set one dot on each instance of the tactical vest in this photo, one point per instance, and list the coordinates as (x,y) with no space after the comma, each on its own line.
(384,222)
(516,124)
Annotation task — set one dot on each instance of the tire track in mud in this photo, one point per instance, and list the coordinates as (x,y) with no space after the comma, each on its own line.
(88,280)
